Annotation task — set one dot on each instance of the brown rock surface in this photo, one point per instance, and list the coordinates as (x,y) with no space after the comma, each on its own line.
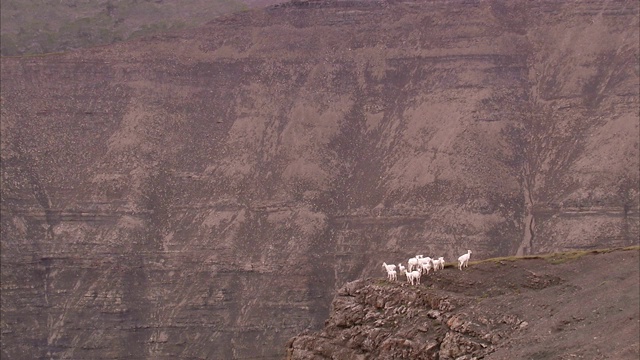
(51,26)
(203,194)
(585,308)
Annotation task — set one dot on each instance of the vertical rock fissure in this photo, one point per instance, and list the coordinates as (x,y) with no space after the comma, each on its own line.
(526,246)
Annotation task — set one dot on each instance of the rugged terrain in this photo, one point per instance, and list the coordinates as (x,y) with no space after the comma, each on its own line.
(565,306)
(203,194)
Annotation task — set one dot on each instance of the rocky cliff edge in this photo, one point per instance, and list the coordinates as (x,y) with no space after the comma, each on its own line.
(579,305)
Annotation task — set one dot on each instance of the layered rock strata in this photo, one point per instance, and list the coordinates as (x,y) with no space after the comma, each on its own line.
(203,194)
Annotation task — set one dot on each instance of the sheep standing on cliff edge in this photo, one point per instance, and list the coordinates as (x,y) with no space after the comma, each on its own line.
(392,275)
(463,261)
(401,269)
(413,277)
(391,271)
(426,264)
(413,262)
(388,267)
(438,264)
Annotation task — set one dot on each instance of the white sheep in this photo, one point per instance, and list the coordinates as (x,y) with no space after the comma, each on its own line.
(391,271)
(391,275)
(425,267)
(413,277)
(388,267)
(438,264)
(463,261)
(402,269)
(422,261)
(411,263)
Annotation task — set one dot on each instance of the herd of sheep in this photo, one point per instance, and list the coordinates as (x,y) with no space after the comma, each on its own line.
(419,265)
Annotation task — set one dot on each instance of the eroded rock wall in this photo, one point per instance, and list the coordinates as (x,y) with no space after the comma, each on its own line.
(203,194)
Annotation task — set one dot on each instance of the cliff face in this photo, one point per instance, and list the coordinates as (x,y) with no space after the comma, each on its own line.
(47,26)
(554,308)
(203,194)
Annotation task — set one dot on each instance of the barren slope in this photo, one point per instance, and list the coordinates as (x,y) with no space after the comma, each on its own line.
(203,194)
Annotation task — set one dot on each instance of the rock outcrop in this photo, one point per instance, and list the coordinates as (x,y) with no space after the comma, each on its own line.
(519,309)
(203,194)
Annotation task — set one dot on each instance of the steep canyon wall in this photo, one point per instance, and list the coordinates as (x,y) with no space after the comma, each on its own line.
(203,194)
